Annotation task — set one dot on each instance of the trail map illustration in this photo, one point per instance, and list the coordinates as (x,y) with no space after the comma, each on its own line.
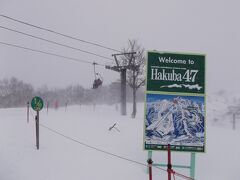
(175,120)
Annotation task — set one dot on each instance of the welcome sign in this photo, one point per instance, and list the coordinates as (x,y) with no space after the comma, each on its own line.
(175,102)
(176,72)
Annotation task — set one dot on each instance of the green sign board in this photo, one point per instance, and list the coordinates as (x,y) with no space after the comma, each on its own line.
(171,72)
(175,102)
(37,103)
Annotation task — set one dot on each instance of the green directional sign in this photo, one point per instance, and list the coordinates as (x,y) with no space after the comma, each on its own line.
(176,72)
(37,103)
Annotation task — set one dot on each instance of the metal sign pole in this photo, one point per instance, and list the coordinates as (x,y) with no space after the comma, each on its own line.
(234,121)
(47,106)
(192,165)
(28,112)
(37,105)
(169,165)
(123,92)
(37,129)
(149,157)
(149,161)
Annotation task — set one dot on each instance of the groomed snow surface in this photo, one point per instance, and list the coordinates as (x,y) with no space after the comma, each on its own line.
(60,158)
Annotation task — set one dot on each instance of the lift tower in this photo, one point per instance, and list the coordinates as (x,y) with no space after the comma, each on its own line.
(122,69)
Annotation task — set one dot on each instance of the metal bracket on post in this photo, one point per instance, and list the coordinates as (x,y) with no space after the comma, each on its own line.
(115,58)
(191,167)
(149,154)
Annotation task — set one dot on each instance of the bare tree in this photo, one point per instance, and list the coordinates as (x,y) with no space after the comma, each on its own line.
(136,72)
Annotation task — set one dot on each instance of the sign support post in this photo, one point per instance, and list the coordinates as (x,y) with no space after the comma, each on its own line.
(234,121)
(37,129)
(192,165)
(149,161)
(169,165)
(28,112)
(37,105)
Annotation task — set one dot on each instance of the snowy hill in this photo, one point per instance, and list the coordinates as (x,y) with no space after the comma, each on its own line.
(67,139)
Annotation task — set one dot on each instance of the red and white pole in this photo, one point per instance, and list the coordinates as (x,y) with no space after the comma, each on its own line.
(150,168)
(169,165)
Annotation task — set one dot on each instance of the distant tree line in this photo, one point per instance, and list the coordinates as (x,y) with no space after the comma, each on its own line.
(16,93)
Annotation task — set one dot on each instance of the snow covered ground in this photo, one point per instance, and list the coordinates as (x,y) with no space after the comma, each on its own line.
(60,158)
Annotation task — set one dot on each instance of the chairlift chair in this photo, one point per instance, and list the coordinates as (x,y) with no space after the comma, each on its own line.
(98,79)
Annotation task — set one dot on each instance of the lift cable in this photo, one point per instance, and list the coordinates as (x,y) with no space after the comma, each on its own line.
(54,42)
(58,33)
(110,153)
(49,53)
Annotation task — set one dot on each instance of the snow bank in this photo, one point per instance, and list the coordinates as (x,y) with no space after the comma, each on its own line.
(59,158)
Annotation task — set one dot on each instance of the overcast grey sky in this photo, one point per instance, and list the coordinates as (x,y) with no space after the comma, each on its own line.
(208,27)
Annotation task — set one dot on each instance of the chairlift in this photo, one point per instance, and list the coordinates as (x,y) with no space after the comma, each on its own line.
(98,80)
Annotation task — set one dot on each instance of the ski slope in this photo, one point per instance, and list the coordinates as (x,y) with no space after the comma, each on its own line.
(66,149)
